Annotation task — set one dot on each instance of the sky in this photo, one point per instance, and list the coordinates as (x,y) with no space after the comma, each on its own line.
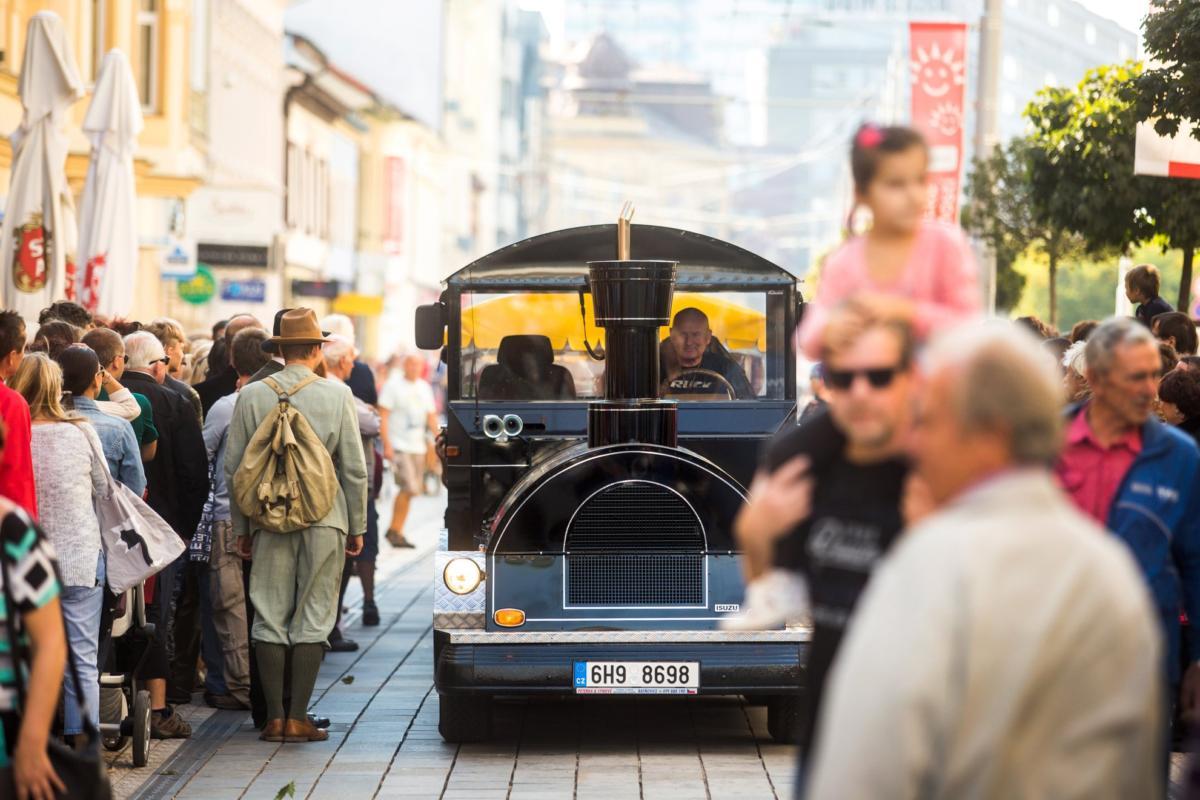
(1128,13)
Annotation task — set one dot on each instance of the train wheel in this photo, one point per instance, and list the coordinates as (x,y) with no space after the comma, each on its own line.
(464,718)
(784,718)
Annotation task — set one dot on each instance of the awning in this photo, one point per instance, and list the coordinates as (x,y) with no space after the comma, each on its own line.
(556,315)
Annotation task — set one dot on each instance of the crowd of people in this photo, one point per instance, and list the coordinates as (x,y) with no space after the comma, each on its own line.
(246,613)
(994,529)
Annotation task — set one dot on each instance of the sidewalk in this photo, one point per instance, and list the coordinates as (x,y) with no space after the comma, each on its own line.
(224,757)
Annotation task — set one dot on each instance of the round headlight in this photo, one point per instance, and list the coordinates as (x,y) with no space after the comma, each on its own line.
(462,575)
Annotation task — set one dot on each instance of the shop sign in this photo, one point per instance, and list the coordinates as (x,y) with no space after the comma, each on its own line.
(233,255)
(178,259)
(198,289)
(325,289)
(250,290)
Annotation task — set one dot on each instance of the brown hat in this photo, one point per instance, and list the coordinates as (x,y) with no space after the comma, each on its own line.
(298,326)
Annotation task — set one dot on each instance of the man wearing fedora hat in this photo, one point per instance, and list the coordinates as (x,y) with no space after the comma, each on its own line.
(295,576)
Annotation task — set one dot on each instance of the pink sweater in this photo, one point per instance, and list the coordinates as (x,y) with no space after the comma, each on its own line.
(941,280)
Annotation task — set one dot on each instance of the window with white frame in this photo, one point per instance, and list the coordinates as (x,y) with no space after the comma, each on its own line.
(148,53)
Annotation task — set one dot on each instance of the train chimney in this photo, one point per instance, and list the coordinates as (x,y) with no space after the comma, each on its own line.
(632,301)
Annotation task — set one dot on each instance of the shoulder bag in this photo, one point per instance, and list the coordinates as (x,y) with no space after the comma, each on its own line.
(137,542)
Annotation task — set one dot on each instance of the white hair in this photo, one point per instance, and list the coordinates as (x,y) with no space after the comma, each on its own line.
(1075,358)
(1111,334)
(337,348)
(142,349)
(339,324)
(1003,380)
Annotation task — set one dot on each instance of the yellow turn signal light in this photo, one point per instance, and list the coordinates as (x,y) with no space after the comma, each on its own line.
(509,617)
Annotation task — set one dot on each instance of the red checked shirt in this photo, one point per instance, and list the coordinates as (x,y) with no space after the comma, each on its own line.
(1092,473)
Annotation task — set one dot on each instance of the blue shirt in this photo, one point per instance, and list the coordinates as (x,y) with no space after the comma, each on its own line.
(216,426)
(120,445)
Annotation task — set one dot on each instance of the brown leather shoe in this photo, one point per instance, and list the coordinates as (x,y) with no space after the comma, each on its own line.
(273,731)
(301,730)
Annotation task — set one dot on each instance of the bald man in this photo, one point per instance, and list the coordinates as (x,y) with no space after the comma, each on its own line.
(222,378)
(689,352)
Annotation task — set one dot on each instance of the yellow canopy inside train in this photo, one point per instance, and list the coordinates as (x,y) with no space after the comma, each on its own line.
(556,314)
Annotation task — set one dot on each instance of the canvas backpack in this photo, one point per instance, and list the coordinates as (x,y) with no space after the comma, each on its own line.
(286,479)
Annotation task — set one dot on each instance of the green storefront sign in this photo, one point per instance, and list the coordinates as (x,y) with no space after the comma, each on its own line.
(199,288)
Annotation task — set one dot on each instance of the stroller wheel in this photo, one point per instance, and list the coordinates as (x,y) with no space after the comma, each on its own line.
(112,711)
(141,728)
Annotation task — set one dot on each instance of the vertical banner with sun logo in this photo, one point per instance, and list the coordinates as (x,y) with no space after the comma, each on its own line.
(938,54)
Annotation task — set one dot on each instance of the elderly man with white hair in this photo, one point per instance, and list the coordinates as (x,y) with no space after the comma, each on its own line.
(340,360)
(1007,646)
(361,379)
(177,486)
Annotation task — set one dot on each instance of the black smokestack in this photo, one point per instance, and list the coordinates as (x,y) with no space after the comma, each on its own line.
(632,300)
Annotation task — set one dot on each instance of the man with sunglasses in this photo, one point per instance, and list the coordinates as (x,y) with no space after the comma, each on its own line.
(1140,479)
(1006,646)
(827,501)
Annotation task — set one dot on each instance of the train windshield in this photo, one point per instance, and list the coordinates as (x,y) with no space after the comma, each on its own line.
(523,346)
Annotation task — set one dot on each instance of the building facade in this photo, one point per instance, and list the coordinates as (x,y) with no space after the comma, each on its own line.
(234,218)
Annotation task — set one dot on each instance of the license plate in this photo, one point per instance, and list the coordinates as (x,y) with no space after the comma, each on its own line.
(637,677)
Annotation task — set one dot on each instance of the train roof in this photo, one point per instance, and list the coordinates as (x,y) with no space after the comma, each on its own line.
(558,260)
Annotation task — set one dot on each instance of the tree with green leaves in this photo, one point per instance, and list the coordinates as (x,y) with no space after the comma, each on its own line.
(1002,210)
(1165,93)
(997,212)
(1081,160)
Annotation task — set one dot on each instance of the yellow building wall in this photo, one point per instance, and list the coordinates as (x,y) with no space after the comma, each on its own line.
(167,165)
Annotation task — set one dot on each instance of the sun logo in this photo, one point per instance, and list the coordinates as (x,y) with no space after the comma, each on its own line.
(937,71)
(946,119)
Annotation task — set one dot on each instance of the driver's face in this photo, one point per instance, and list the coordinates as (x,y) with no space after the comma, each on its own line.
(690,339)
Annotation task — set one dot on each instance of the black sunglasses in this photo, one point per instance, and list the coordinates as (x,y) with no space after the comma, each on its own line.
(879,377)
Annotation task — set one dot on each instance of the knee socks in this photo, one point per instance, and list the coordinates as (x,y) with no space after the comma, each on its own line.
(271,661)
(306,661)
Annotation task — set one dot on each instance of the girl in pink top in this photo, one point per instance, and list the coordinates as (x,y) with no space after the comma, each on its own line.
(906,263)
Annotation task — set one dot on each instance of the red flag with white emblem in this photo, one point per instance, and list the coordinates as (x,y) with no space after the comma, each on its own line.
(938,58)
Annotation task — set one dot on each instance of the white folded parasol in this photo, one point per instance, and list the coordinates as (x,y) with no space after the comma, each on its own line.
(108,242)
(38,235)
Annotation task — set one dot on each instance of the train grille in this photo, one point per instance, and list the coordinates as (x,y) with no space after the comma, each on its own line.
(635,543)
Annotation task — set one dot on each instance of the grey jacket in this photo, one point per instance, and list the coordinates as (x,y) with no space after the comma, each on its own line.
(329,408)
(1006,647)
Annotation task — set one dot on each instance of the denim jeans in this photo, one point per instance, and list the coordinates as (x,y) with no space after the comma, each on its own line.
(210,644)
(81,607)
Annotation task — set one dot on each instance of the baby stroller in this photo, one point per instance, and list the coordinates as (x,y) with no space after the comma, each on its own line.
(124,704)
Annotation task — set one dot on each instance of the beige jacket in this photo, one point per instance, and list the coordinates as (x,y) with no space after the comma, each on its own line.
(1006,648)
(121,404)
(329,408)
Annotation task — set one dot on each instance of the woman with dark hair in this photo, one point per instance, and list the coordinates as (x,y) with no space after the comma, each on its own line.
(1179,401)
(53,337)
(29,577)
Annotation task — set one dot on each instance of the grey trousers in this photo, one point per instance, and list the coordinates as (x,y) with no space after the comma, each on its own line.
(228,598)
(294,584)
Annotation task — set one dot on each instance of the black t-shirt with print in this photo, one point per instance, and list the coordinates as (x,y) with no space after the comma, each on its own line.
(855,519)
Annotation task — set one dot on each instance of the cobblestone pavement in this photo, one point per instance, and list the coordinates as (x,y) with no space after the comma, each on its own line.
(384,742)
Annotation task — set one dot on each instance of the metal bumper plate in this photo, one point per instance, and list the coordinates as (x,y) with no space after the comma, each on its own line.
(624,637)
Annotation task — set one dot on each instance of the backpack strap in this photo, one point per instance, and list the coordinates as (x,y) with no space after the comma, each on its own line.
(284,395)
